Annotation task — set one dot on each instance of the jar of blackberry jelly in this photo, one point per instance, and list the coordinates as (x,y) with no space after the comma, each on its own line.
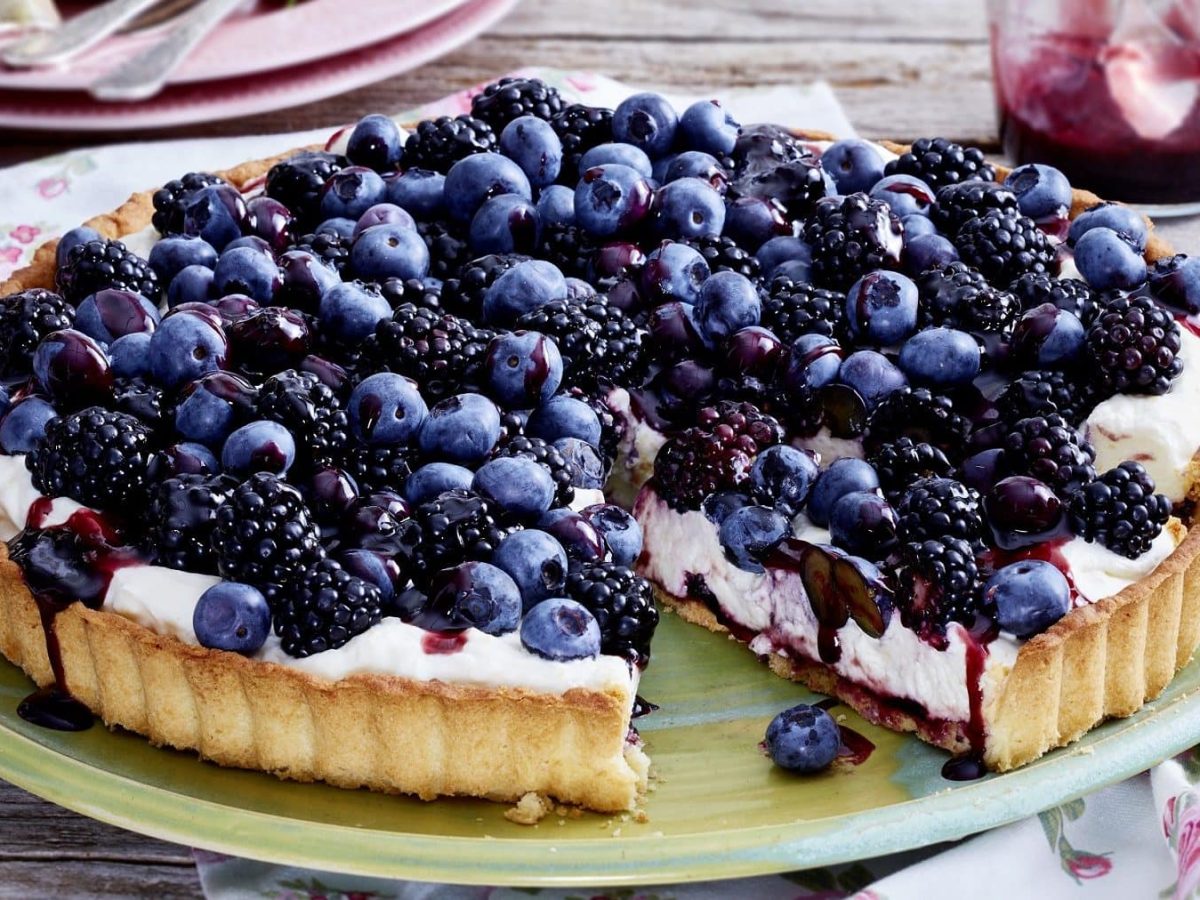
(1106,90)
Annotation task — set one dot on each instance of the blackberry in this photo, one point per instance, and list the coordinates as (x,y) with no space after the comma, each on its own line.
(939,162)
(172,198)
(25,319)
(1120,510)
(562,472)
(463,295)
(297,182)
(935,508)
(578,335)
(96,456)
(722,253)
(439,143)
(142,399)
(937,583)
(512,424)
(612,428)
(1051,450)
(714,455)
(327,608)
(959,296)
(569,247)
(623,604)
(623,363)
(763,147)
(920,414)
(1005,245)
(384,467)
(180,518)
(797,184)
(1134,346)
(331,249)
(1042,392)
(95,265)
(434,349)
(454,527)
(265,536)
(448,248)
(903,462)
(851,236)
(310,410)
(510,98)
(793,309)
(959,202)
(1071,294)
(580,128)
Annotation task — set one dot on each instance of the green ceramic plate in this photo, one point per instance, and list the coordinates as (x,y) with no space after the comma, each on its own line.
(720,809)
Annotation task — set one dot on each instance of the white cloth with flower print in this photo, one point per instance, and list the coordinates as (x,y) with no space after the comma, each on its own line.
(1136,839)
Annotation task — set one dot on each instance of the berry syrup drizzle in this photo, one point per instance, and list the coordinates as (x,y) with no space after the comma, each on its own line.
(855,748)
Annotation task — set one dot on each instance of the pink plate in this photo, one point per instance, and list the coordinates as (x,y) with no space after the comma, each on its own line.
(259,39)
(244,96)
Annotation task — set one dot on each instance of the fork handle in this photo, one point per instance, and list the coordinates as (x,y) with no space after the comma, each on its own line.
(75,35)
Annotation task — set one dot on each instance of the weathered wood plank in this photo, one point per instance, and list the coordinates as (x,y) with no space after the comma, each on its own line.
(68,880)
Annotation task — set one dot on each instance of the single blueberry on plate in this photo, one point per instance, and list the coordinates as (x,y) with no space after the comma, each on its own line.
(560,629)
(435,478)
(472,595)
(881,308)
(564,416)
(845,475)
(1029,596)
(524,368)
(506,223)
(536,561)
(647,121)
(232,616)
(854,164)
(478,177)
(350,192)
(782,477)
(304,280)
(460,429)
(803,739)
(338,226)
(375,568)
(534,145)
(520,486)
(728,302)
(940,357)
(620,530)
(386,408)
(1107,261)
(750,533)
(390,251)
(261,446)
(376,142)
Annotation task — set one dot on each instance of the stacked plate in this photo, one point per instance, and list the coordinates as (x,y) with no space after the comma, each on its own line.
(265,58)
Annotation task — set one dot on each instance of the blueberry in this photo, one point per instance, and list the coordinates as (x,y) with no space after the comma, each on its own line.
(418,191)
(688,208)
(814,361)
(338,226)
(926,251)
(129,355)
(5,401)
(242,270)
(673,271)
(383,214)
(24,425)
(535,561)
(472,595)
(192,285)
(109,314)
(350,311)
(232,616)
(210,406)
(1107,261)
(304,280)
(386,408)
(216,213)
(71,368)
(803,739)
(373,567)
(617,154)
(184,347)
(728,302)
(983,469)
(578,289)
(611,199)
(1129,225)
(940,357)
(1021,511)
(797,270)
(520,486)
(863,523)
(783,476)
(207,312)
(917,225)
(619,529)
(564,416)
(718,506)
(556,205)
(184,458)
(694,164)
(173,254)
(881,308)
(350,192)
(707,126)
(785,248)
(905,194)
(528,285)
(524,368)
(507,223)
(461,429)
(750,533)
(232,309)
(845,475)
(270,221)
(855,165)
(390,251)
(533,145)
(476,178)
(1176,283)
(74,238)
(753,221)
(436,478)
(1043,192)
(560,629)
(376,143)
(260,446)
(590,470)
(647,121)
(578,537)
(1047,337)
(252,242)
(1029,596)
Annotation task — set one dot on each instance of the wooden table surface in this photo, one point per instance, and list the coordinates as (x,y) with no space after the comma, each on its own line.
(902,70)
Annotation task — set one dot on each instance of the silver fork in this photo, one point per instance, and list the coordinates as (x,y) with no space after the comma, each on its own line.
(77,34)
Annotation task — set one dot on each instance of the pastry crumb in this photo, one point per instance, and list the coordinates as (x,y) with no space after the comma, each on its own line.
(530,809)
(641,817)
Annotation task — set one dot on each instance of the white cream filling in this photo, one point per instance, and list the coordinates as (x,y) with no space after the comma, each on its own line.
(1099,573)
(640,443)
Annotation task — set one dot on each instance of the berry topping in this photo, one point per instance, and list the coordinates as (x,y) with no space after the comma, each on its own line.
(561,629)
(1134,345)
(180,518)
(1070,294)
(1043,392)
(851,236)
(623,605)
(25,319)
(510,98)
(937,583)
(101,264)
(794,309)
(310,410)
(436,350)
(1051,450)
(298,182)
(1005,245)
(722,253)
(325,609)
(902,462)
(920,414)
(1120,510)
(232,616)
(939,162)
(170,201)
(934,508)
(562,473)
(580,128)
(750,533)
(1029,596)
(454,527)
(959,202)
(437,144)
(97,457)
(471,595)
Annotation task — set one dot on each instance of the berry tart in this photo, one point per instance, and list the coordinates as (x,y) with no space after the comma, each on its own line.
(325,465)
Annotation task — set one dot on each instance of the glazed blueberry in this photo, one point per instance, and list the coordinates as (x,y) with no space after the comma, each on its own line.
(436,478)
(130,355)
(1043,192)
(750,533)
(350,192)
(673,332)
(252,242)
(814,361)
(74,238)
(173,254)
(845,475)
(461,429)
(520,486)
(905,194)
(528,285)
(373,567)
(472,595)
(754,351)
(855,165)
(707,126)
(1047,337)
(350,311)
(533,145)
(864,524)
(556,205)
(647,121)
(782,477)
(386,408)
(611,199)
(694,164)
(673,271)
(476,178)
(728,302)
(564,416)
(376,142)
(1029,596)
(589,469)
(524,368)
(260,446)
(1176,283)
(619,529)
(784,249)
(505,224)
(268,340)
(390,251)
(193,284)
(184,458)
(211,406)
(535,561)
(373,522)
(217,214)
(269,220)
(72,369)
(881,308)
(753,221)
(304,280)
(560,629)
(109,314)
(420,192)
(242,270)
(332,495)
(940,357)
(717,507)
(982,470)
(1107,261)
(383,214)
(1022,511)
(207,312)
(803,739)
(926,251)
(184,347)
(617,154)
(688,208)
(339,226)
(578,537)
(232,616)
(232,308)
(1128,224)
(24,425)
